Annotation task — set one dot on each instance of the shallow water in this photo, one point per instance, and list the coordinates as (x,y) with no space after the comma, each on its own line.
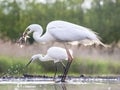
(59,87)
(49,84)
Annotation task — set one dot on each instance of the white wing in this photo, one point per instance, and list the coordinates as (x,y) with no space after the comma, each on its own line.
(65,31)
(57,53)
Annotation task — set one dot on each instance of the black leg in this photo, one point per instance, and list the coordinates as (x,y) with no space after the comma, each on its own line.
(70,59)
(66,71)
(55,71)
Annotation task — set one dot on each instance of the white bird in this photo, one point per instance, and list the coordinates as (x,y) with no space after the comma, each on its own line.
(56,54)
(62,31)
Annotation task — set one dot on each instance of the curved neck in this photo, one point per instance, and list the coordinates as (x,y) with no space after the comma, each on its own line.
(36,36)
(42,58)
(44,38)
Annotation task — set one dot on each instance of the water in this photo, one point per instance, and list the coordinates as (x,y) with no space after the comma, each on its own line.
(59,87)
(48,84)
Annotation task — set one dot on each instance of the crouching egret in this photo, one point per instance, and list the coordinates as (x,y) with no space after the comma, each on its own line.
(56,54)
(62,31)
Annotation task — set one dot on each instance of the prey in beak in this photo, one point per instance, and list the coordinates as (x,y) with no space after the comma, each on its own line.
(22,40)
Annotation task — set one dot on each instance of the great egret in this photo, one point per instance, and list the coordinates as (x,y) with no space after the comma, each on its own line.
(62,31)
(56,54)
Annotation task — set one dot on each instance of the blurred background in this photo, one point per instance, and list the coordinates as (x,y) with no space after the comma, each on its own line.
(102,16)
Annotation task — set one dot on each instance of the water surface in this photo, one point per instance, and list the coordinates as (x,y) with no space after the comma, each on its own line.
(49,84)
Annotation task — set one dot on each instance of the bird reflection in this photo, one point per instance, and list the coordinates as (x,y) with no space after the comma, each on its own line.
(62,86)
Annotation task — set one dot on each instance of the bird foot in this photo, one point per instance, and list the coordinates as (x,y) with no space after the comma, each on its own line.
(59,81)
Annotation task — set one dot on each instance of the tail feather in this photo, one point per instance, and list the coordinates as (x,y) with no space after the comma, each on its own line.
(98,42)
(88,42)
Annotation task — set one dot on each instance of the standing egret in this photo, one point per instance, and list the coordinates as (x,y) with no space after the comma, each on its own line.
(56,54)
(62,31)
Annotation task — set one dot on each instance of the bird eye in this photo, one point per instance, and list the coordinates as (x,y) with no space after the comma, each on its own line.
(28,29)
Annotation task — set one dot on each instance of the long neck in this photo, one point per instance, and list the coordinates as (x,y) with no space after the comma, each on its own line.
(43,58)
(37,37)
(44,38)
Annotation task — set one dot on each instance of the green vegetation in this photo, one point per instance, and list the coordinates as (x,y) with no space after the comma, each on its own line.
(95,66)
(102,17)
(16,66)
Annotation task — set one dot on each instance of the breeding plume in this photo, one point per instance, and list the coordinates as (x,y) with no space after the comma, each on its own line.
(55,54)
(62,31)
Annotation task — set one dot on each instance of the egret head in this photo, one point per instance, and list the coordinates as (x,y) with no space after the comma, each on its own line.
(33,28)
(34,57)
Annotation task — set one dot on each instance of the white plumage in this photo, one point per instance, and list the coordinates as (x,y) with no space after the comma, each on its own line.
(56,54)
(62,31)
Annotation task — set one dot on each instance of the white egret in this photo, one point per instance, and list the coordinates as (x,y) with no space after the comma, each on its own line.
(56,54)
(62,31)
